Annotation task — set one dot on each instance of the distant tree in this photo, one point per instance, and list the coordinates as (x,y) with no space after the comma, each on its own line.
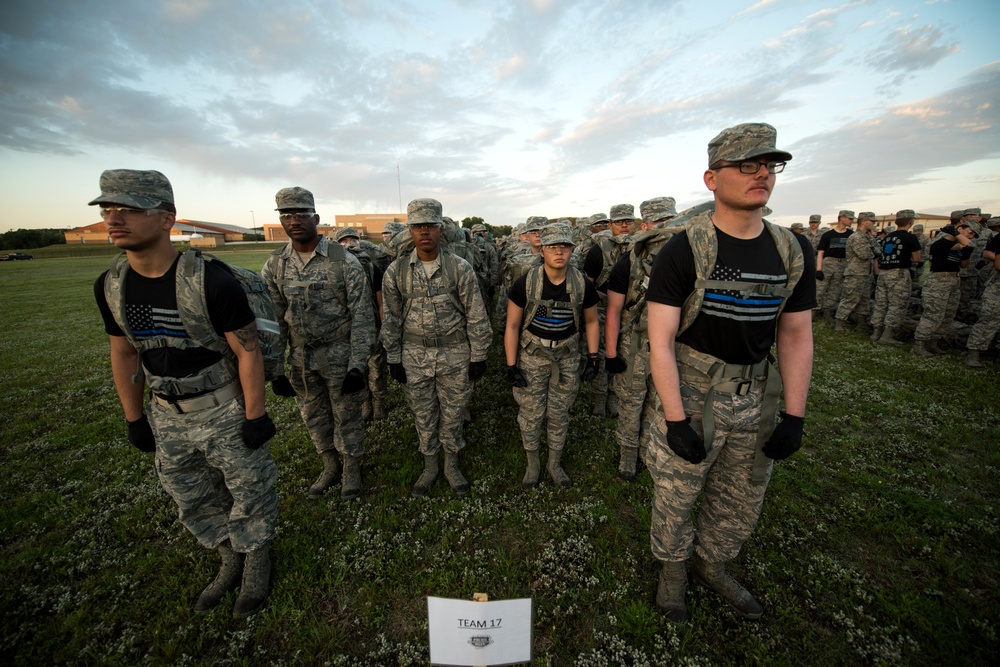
(471,221)
(499,230)
(253,237)
(25,239)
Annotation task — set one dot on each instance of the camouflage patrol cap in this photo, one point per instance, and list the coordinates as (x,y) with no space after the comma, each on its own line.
(424,212)
(845,213)
(294,197)
(866,215)
(745,141)
(957,215)
(890,229)
(905,214)
(519,229)
(535,223)
(393,227)
(798,225)
(658,208)
(557,233)
(973,225)
(598,219)
(346,233)
(478,228)
(973,211)
(622,212)
(815,217)
(134,188)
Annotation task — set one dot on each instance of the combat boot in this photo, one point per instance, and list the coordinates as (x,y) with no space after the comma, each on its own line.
(256,580)
(600,403)
(920,350)
(558,475)
(972,359)
(839,325)
(612,405)
(714,576)
(330,474)
(627,463)
(864,327)
(227,580)
(378,409)
(670,592)
(366,408)
(533,470)
(934,348)
(350,487)
(887,339)
(428,477)
(828,315)
(452,473)
(876,334)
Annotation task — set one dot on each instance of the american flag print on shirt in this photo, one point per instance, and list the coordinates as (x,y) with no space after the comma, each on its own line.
(733,305)
(147,322)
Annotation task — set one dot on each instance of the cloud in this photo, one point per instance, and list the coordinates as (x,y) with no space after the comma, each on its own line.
(908,50)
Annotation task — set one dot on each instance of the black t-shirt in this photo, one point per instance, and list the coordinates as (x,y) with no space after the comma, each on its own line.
(593,263)
(736,329)
(994,244)
(151,309)
(946,260)
(897,250)
(619,278)
(834,244)
(557,325)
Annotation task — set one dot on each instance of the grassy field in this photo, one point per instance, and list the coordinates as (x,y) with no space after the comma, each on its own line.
(878,542)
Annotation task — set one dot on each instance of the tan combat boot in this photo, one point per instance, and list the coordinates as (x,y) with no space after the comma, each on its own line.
(876,334)
(839,326)
(934,348)
(600,405)
(428,477)
(330,474)
(670,592)
(887,339)
(256,580)
(714,576)
(972,359)
(452,473)
(533,470)
(919,349)
(227,580)
(627,463)
(350,487)
(558,475)
(612,405)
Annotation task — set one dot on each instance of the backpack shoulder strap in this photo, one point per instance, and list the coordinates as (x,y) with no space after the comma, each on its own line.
(534,282)
(192,302)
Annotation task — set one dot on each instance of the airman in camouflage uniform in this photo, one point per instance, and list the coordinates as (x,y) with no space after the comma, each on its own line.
(324,304)
(717,436)
(925,244)
(813,233)
(830,256)
(541,349)
(969,274)
(529,243)
(949,251)
(985,329)
(436,336)
(900,251)
(205,419)
(481,237)
(859,266)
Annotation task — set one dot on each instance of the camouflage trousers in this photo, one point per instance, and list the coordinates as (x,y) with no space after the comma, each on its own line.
(553,376)
(731,501)
(501,309)
(378,374)
(437,390)
(854,297)
(631,388)
(940,303)
(828,290)
(986,327)
(599,385)
(224,490)
(892,296)
(969,287)
(334,421)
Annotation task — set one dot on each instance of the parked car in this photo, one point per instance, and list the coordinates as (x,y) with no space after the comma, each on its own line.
(14,256)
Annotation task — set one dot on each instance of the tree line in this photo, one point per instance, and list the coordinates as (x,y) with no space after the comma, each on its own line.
(26,239)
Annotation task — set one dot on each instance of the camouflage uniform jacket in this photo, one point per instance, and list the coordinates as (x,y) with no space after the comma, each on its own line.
(861,249)
(447,302)
(322,302)
(814,238)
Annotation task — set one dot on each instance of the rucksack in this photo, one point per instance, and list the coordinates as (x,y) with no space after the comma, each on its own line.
(613,248)
(518,266)
(192,309)
(535,282)
(449,272)
(368,265)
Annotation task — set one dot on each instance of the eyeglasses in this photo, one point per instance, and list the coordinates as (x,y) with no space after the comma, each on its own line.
(558,247)
(622,222)
(753,166)
(299,217)
(127,212)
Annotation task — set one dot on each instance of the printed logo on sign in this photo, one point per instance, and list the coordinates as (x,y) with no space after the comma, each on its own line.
(481,641)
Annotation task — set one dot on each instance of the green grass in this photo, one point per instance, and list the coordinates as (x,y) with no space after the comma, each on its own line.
(878,543)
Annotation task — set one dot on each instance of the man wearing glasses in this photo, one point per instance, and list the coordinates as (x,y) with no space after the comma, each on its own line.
(597,265)
(750,283)
(324,305)
(205,419)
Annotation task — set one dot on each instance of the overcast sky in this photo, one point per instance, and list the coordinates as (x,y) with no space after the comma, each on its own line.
(498,109)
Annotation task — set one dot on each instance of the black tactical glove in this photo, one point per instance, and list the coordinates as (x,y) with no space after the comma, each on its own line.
(819,274)
(354,382)
(920,265)
(140,434)
(258,431)
(282,387)
(786,438)
(477,369)
(685,442)
(398,373)
(950,230)
(615,365)
(516,377)
(590,370)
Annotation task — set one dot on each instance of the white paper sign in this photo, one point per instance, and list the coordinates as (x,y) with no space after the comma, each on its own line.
(479,633)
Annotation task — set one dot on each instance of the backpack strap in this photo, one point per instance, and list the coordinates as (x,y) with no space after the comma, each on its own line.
(114,295)
(535,282)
